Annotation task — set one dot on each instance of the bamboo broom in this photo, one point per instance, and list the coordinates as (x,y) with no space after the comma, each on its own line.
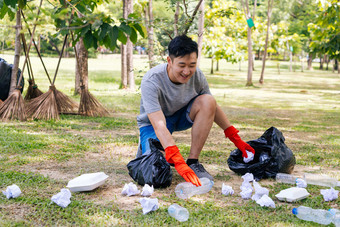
(14,106)
(32,90)
(53,102)
(89,105)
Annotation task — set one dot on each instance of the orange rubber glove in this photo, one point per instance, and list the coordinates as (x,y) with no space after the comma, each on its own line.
(173,156)
(231,133)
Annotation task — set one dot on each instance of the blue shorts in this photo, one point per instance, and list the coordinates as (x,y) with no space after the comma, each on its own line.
(179,121)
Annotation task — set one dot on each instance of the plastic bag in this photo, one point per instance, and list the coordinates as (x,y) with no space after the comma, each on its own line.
(152,168)
(5,79)
(271,156)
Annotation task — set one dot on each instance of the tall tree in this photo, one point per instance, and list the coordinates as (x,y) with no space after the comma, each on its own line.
(250,20)
(176,19)
(123,57)
(149,27)
(269,14)
(129,52)
(200,32)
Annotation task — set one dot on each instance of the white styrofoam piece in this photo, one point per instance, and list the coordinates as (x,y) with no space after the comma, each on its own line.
(292,194)
(87,182)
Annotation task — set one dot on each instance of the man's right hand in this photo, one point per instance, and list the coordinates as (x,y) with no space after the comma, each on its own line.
(172,155)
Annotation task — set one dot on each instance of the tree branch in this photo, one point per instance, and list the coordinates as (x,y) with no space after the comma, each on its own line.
(192,17)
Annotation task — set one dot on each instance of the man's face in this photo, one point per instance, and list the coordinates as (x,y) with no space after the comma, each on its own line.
(181,69)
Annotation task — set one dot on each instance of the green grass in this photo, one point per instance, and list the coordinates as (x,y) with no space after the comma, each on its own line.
(41,156)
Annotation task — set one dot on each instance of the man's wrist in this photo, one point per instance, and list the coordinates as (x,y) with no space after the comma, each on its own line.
(230,131)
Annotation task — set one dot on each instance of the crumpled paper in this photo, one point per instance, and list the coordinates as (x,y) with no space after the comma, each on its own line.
(246,190)
(62,198)
(130,189)
(12,191)
(329,194)
(148,204)
(147,190)
(249,158)
(259,191)
(266,201)
(248,177)
(227,190)
(301,183)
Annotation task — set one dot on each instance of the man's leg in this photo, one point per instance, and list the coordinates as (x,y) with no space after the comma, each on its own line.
(202,113)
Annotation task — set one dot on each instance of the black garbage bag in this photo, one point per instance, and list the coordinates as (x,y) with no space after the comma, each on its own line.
(272,156)
(151,169)
(5,79)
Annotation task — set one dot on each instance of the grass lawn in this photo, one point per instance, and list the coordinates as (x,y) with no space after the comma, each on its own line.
(42,156)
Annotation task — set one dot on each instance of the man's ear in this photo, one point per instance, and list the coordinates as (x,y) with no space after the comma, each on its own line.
(168,59)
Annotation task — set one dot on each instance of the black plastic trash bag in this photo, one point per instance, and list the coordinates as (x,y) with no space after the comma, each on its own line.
(5,79)
(272,156)
(151,169)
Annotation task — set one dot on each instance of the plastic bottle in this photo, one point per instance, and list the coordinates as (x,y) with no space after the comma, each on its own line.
(186,189)
(180,213)
(321,180)
(286,178)
(319,216)
(336,216)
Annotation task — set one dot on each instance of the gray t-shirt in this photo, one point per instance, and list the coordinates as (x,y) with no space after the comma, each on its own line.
(159,93)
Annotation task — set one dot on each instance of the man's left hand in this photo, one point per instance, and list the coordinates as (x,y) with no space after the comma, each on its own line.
(231,133)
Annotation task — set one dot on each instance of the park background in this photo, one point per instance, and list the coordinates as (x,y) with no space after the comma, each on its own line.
(299,95)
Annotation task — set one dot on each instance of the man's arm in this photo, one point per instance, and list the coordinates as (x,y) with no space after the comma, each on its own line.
(230,132)
(172,154)
(158,122)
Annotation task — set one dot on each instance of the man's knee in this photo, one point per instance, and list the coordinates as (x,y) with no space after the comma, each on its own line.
(206,102)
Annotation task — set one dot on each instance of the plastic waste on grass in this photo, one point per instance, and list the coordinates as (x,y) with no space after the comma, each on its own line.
(285,178)
(321,180)
(292,194)
(179,213)
(186,189)
(319,216)
(336,216)
(87,182)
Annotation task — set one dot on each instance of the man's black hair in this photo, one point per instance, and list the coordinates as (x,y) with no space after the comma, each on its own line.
(181,46)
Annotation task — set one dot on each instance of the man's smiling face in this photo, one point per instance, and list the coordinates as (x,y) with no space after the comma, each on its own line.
(181,69)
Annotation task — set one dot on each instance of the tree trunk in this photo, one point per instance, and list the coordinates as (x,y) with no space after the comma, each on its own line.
(83,72)
(309,61)
(327,61)
(16,54)
(176,19)
(250,48)
(212,66)
(269,13)
(250,59)
(200,32)
(321,61)
(301,63)
(290,57)
(217,65)
(123,73)
(150,36)
(129,53)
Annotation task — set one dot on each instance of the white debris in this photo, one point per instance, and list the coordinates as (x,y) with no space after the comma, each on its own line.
(249,158)
(63,198)
(301,183)
(227,190)
(130,189)
(147,190)
(148,204)
(259,191)
(12,191)
(266,201)
(329,194)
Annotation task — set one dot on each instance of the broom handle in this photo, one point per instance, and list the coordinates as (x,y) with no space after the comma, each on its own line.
(77,60)
(36,48)
(61,54)
(29,46)
(29,66)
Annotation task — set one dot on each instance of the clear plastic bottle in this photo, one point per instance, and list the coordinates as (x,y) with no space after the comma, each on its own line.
(319,216)
(285,178)
(321,180)
(180,213)
(186,189)
(336,216)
